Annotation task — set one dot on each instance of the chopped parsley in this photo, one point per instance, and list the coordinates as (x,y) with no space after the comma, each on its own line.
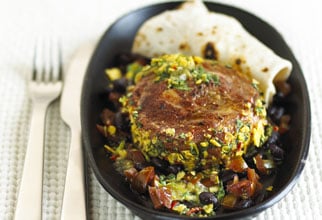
(178,70)
(239,124)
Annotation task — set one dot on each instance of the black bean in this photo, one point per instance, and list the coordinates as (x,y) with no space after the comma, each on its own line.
(126,123)
(208,198)
(159,164)
(126,58)
(114,97)
(275,113)
(276,151)
(107,116)
(121,121)
(273,138)
(120,85)
(103,96)
(140,166)
(278,98)
(251,152)
(259,197)
(242,175)
(283,87)
(243,204)
(227,175)
(174,169)
(118,120)
(279,113)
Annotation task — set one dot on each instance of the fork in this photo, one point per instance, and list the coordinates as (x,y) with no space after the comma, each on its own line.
(45,86)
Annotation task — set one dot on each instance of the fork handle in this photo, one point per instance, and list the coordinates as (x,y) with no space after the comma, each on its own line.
(29,203)
(74,205)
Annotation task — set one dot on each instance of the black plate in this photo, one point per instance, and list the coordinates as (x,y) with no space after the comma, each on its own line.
(119,38)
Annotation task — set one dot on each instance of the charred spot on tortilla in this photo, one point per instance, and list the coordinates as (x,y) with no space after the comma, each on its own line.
(137,43)
(240,64)
(210,52)
(141,38)
(159,29)
(184,46)
(265,69)
(200,34)
(238,61)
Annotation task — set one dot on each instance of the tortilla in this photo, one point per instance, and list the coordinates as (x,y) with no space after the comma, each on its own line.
(193,30)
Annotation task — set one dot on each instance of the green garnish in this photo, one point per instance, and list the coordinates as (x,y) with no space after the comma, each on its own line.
(177,70)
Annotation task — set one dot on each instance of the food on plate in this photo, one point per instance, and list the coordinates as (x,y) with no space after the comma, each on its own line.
(190,133)
(193,120)
(193,30)
(194,112)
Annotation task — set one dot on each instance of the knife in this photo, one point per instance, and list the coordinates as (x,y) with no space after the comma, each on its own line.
(74,199)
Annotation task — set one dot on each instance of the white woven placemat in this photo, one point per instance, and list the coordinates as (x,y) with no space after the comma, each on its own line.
(76,22)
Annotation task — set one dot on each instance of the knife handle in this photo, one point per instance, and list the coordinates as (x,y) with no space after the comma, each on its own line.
(74,204)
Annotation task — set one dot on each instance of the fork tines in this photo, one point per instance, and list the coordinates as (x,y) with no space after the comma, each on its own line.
(47,61)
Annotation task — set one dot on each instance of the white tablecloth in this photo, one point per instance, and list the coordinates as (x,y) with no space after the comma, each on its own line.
(76,22)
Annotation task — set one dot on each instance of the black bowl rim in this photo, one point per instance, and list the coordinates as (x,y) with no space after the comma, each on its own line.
(252,211)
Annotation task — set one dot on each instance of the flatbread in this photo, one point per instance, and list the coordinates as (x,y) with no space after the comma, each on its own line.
(193,30)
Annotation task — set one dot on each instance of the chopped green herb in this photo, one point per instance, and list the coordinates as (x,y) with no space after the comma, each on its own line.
(221,192)
(239,124)
(178,69)
(182,135)
(135,114)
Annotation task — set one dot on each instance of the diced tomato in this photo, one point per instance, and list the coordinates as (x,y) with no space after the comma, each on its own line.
(174,203)
(229,201)
(130,174)
(107,116)
(196,178)
(260,164)
(253,177)
(155,198)
(155,180)
(239,146)
(142,179)
(237,164)
(284,124)
(101,130)
(242,188)
(207,182)
(160,197)
(165,197)
(135,155)
(194,210)
(245,188)
(275,128)
(114,157)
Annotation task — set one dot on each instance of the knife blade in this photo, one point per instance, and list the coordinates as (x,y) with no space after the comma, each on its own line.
(74,202)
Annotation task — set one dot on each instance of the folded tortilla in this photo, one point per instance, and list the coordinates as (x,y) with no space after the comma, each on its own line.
(193,30)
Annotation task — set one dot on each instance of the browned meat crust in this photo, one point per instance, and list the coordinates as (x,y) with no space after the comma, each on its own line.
(204,106)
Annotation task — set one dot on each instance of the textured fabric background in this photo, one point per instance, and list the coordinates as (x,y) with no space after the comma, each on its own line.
(76,22)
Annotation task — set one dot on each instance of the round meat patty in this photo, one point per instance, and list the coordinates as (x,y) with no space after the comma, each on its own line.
(194,114)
